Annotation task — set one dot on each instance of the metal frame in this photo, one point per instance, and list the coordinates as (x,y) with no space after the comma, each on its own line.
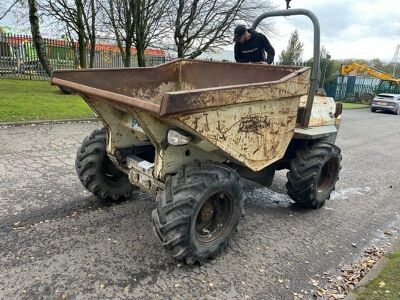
(316,60)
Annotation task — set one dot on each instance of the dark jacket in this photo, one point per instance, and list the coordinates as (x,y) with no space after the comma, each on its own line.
(254,49)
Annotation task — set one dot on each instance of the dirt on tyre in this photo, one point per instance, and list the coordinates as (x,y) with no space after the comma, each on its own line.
(96,171)
(313,174)
(198,211)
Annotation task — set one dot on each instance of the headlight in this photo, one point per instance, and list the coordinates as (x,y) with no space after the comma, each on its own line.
(176,138)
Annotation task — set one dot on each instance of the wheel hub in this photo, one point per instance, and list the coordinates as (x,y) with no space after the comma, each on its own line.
(213,217)
(206,212)
(326,176)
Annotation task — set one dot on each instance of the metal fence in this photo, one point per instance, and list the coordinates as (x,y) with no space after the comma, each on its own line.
(18,59)
(18,56)
(352,88)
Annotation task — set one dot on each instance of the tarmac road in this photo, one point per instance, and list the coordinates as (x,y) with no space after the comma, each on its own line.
(58,241)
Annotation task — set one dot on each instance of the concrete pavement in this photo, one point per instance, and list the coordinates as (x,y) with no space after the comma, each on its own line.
(58,241)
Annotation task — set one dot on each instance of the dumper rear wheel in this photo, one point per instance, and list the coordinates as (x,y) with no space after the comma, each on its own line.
(198,211)
(96,171)
(313,174)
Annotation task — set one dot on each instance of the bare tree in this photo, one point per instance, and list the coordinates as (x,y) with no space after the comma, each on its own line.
(37,37)
(7,8)
(119,16)
(79,16)
(150,25)
(137,23)
(201,25)
(37,40)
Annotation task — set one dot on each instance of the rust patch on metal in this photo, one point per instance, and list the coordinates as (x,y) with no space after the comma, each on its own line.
(184,86)
(148,84)
(253,123)
(109,96)
(293,84)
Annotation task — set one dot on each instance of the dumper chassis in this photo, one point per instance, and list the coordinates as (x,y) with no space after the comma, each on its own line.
(189,131)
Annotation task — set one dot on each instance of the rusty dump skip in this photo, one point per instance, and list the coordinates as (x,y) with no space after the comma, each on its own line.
(247,111)
(182,86)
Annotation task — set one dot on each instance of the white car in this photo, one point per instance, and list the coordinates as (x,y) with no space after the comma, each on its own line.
(386,102)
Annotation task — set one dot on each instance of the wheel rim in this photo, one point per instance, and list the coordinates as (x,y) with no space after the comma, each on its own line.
(213,217)
(327,175)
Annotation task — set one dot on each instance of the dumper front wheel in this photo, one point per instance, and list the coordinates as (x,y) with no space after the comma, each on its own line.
(198,211)
(313,174)
(96,171)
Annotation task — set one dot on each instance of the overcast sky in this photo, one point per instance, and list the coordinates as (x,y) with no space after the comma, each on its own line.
(350,28)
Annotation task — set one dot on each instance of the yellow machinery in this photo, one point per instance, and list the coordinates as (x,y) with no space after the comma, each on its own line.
(358,69)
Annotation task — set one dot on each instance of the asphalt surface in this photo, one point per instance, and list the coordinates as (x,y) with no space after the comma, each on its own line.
(58,242)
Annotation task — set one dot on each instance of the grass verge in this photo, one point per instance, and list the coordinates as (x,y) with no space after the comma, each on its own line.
(387,284)
(347,105)
(27,100)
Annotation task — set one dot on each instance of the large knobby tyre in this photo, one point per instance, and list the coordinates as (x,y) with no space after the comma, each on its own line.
(198,211)
(313,174)
(96,171)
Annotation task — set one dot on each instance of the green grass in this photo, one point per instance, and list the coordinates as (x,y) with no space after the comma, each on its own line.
(387,284)
(25,100)
(347,105)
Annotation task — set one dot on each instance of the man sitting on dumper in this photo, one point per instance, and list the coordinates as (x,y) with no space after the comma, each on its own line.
(250,46)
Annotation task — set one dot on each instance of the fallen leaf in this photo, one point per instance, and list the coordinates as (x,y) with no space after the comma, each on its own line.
(338,296)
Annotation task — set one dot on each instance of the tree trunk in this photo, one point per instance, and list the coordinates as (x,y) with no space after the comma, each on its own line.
(128,49)
(38,41)
(127,56)
(141,58)
(92,51)
(180,51)
(82,52)
(180,48)
(92,32)
(37,37)
(81,34)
